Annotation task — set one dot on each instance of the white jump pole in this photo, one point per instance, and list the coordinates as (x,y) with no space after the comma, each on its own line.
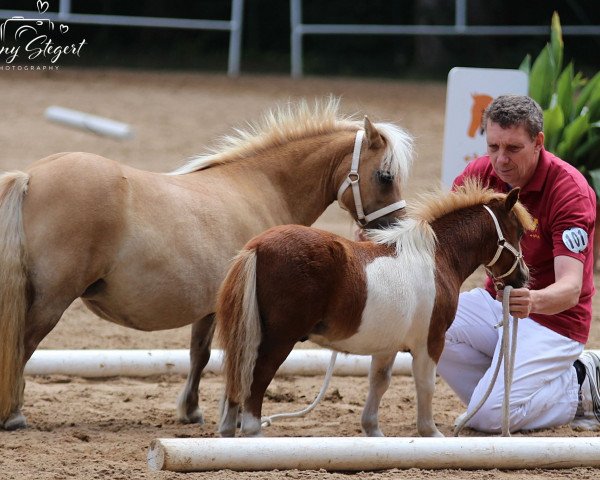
(359,453)
(86,121)
(143,363)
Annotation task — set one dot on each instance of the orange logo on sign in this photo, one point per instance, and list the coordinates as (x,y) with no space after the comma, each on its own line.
(480,103)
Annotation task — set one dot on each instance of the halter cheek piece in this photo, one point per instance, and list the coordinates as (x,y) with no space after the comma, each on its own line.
(352,180)
(502,244)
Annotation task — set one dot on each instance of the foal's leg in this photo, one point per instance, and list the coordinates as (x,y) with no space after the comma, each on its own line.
(380,376)
(187,403)
(424,374)
(270,358)
(229,416)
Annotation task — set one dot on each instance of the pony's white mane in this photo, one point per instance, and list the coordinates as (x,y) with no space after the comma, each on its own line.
(412,237)
(415,233)
(294,122)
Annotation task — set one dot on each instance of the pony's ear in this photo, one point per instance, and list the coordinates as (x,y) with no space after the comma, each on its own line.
(372,136)
(511,199)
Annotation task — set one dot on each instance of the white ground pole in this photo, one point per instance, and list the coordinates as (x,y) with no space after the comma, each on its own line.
(88,122)
(143,363)
(364,454)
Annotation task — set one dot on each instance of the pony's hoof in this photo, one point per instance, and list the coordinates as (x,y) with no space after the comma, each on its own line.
(375,433)
(15,422)
(194,417)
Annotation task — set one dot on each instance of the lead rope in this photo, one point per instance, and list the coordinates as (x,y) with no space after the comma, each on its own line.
(508,358)
(267,421)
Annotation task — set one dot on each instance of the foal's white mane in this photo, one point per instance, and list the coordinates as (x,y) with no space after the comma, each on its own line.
(414,234)
(297,121)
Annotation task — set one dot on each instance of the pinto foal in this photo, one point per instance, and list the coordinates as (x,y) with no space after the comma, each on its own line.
(400,293)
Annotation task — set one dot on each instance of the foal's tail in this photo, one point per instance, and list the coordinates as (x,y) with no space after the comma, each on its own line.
(13,291)
(238,321)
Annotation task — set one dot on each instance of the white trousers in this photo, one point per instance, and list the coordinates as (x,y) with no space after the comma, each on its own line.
(544,390)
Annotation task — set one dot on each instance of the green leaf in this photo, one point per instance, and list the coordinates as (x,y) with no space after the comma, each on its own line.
(526,64)
(594,103)
(595,180)
(573,133)
(586,93)
(556,44)
(554,122)
(564,90)
(541,78)
(588,153)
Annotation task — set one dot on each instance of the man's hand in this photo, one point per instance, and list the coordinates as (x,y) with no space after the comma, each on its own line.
(521,301)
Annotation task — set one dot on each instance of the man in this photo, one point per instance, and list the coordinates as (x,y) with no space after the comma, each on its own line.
(553,383)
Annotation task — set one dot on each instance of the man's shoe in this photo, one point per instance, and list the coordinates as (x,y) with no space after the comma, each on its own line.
(587,416)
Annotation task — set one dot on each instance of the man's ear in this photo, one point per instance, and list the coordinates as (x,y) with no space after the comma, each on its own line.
(539,141)
(511,199)
(372,136)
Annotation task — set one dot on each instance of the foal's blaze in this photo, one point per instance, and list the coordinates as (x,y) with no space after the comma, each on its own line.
(399,293)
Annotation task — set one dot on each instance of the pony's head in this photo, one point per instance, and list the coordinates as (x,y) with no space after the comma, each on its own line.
(509,218)
(375,173)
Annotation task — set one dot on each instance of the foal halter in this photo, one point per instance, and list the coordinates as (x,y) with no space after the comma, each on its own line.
(502,244)
(352,181)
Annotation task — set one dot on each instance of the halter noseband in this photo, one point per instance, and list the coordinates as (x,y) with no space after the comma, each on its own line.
(502,244)
(352,181)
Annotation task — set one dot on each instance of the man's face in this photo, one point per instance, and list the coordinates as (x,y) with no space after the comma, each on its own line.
(514,155)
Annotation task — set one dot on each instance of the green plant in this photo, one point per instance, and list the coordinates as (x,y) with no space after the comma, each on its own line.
(571,105)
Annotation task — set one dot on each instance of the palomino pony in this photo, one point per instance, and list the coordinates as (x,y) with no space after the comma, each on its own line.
(149,251)
(400,293)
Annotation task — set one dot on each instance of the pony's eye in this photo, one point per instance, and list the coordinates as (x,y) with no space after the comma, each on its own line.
(385,177)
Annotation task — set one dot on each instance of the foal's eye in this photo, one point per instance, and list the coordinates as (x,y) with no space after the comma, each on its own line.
(385,177)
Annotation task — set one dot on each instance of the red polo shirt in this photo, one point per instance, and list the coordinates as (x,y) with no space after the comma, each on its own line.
(564,209)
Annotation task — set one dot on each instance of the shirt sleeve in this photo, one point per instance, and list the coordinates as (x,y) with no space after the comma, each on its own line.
(572,224)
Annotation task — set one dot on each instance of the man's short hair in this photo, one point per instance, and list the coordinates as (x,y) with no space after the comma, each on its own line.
(514,110)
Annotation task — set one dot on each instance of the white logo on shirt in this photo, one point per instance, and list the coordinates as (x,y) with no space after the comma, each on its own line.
(575,239)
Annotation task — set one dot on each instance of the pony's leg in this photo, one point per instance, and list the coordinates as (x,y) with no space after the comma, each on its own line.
(41,319)
(229,415)
(187,403)
(380,376)
(270,357)
(424,374)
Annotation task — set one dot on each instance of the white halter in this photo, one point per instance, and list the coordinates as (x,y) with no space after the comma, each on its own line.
(502,244)
(352,180)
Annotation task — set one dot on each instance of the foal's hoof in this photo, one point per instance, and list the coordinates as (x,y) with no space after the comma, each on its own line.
(15,421)
(193,417)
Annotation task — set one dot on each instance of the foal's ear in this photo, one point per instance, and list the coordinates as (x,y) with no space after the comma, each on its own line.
(372,136)
(511,199)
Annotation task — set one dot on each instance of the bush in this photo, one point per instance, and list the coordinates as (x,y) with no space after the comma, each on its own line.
(571,105)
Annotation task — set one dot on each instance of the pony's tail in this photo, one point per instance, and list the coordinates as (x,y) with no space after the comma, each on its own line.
(13,291)
(238,325)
